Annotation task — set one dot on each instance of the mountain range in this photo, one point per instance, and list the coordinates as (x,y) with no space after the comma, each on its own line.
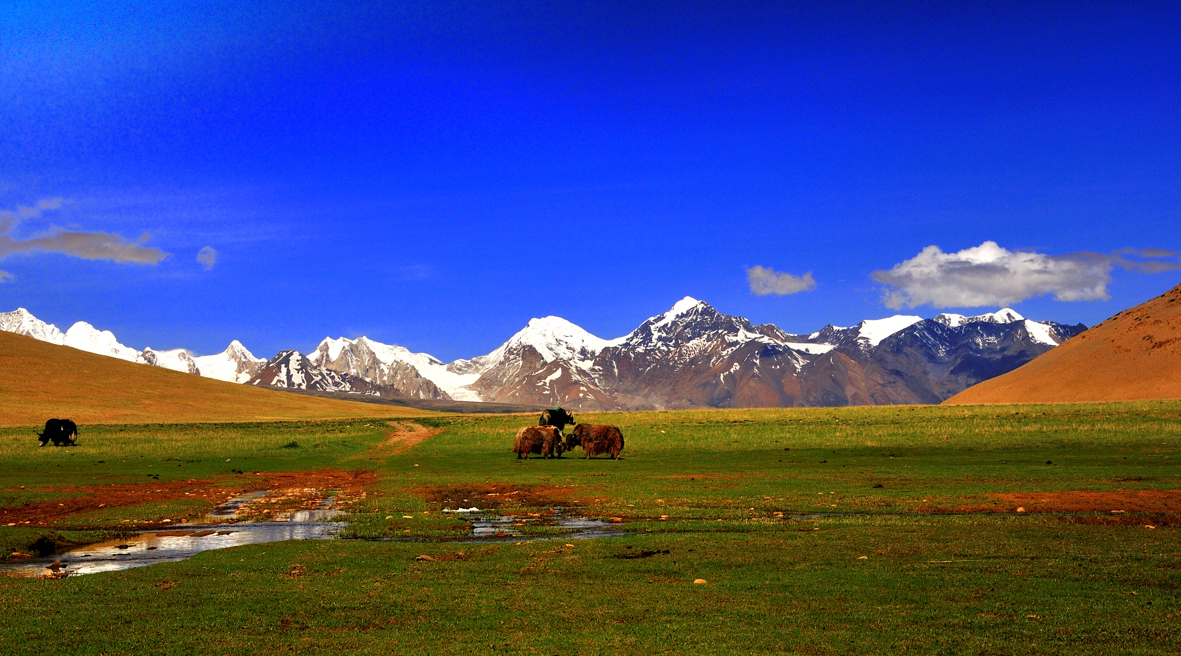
(689,356)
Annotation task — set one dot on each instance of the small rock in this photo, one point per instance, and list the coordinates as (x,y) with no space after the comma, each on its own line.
(1020,509)
(389,516)
(698,581)
(1149,526)
(407,516)
(863,558)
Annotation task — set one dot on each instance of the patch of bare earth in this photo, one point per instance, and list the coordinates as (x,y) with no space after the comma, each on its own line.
(290,490)
(1113,507)
(498,495)
(405,436)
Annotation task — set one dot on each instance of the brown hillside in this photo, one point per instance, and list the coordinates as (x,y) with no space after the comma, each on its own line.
(1133,356)
(39,381)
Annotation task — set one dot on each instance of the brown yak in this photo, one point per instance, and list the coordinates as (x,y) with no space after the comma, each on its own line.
(596,440)
(546,440)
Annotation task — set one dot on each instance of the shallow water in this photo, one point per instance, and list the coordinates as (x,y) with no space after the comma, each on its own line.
(487,526)
(186,540)
(170,545)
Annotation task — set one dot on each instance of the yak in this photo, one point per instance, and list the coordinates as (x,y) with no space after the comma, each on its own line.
(62,432)
(596,440)
(546,440)
(556,417)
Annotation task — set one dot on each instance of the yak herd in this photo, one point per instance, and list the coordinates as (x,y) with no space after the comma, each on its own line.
(547,439)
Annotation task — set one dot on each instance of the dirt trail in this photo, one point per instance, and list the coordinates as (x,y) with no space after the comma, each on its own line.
(404,437)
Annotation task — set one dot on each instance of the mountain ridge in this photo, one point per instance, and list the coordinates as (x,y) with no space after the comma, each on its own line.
(689,356)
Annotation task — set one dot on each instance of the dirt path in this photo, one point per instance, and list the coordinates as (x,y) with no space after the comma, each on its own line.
(404,437)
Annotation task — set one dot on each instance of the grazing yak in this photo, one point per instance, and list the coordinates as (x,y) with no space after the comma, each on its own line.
(63,432)
(596,440)
(556,417)
(546,440)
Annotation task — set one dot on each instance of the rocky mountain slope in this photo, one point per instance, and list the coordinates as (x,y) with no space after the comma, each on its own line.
(690,356)
(1133,356)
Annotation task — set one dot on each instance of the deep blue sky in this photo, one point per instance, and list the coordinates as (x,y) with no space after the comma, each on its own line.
(435,174)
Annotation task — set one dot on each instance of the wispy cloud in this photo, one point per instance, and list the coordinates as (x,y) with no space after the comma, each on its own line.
(991,275)
(85,245)
(207,257)
(9,218)
(764,281)
(6,277)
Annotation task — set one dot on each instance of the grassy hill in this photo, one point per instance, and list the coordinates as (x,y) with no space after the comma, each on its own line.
(1133,356)
(39,381)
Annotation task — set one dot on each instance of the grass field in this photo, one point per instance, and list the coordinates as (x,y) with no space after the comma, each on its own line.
(872,530)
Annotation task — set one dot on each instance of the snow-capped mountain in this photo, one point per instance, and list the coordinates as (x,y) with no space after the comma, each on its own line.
(690,356)
(293,370)
(86,337)
(175,359)
(414,375)
(235,364)
(548,362)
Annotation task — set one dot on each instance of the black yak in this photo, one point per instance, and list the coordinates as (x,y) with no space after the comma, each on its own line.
(556,417)
(62,432)
(596,440)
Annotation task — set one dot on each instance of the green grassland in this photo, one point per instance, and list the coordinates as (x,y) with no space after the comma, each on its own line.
(865,530)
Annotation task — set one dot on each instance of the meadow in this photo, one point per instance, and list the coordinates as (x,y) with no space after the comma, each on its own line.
(983,530)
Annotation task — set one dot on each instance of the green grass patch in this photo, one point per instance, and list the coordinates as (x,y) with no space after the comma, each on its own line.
(823,531)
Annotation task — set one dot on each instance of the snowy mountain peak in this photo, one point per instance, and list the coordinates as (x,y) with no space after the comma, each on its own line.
(86,337)
(876,330)
(1005,315)
(236,364)
(238,349)
(554,338)
(22,322)
(175,359)
(356,357)
(331,348)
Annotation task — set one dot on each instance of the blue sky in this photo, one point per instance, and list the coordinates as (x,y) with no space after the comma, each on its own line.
(434,174)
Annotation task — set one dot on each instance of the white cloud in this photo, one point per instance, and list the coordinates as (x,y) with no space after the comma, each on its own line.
(207,257)
(990,275)
(6,277)
(764,281)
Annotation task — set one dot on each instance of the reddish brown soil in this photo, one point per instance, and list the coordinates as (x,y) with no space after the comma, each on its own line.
(122,495)
(1129,501)
(498,495)
(1079,501)
(405,437)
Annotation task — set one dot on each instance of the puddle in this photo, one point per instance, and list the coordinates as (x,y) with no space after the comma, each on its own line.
(488,527)
(229,509)
(165,546)
(186,540)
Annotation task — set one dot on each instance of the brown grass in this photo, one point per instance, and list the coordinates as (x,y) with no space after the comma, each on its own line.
(1133,356)
(39,381)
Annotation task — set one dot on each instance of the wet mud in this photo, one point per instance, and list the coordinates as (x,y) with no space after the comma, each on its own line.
(171,544)
(487,496)
(91,498)
(152,547)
